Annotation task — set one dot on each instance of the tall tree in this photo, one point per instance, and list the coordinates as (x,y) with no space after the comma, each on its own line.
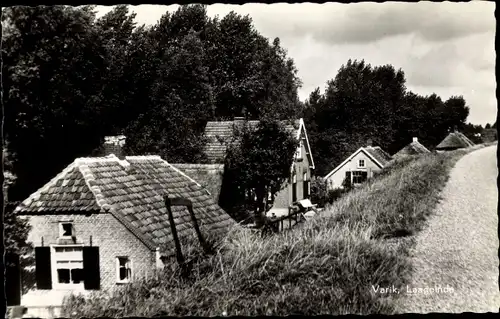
(181,103)
(52,70)
(258,164)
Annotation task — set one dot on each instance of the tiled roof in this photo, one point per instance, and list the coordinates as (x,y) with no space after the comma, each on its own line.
(379,154)
(220,133)
(455,140)
(132,190)
(414,148)
(208,175)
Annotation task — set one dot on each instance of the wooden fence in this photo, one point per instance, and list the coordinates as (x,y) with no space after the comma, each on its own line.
(294,217)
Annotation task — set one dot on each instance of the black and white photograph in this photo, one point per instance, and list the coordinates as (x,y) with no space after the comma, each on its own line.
(212,159)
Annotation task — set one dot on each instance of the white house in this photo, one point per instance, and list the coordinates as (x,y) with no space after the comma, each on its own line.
(358,167)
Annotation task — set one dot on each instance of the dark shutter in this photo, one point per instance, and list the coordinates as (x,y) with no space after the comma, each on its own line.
(12,279)
(91,272)
(294,192)
(43,272)
(306,189)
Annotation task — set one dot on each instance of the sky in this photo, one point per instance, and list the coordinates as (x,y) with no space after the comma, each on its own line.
(444,48)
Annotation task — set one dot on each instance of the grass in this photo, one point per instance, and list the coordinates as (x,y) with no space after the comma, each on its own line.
(327,266)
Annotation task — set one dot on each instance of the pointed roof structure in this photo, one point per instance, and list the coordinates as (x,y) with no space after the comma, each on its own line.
(220,134)
(414,148)
(380,157)
(133,191)
(454,140)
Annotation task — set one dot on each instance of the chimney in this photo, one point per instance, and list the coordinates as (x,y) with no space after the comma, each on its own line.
(415,139)
(369,142)
(113,145)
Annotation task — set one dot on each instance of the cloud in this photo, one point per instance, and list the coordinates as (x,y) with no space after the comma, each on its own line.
(336,23)
(443,48)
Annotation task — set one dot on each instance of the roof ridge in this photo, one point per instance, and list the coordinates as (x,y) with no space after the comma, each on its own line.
(143,157)
(36,194)
(108,158)
(91,183)
(183,174)
(101,200)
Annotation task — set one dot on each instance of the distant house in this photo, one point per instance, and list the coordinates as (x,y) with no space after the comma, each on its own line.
(414,148)
(220,134)
(358,167)
(102,222)
(454,140)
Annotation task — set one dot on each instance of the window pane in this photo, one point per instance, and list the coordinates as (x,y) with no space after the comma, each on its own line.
(67,229)
(77,275)
(123,273)
(63,276)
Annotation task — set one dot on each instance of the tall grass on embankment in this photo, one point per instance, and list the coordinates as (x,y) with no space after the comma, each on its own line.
(327,266)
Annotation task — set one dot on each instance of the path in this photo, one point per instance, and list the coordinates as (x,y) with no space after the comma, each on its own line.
(459,247)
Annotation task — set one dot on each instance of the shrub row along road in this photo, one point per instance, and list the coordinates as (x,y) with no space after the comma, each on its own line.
(459,246)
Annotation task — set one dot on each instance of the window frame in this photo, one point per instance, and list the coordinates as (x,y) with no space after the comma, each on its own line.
(361,161)
(56,285)
(61,230)
(358,174)
(117,270)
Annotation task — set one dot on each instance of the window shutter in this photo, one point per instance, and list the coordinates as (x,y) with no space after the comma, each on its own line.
(43,272)
(91,271)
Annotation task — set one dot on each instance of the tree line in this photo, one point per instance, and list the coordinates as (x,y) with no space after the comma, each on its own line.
(70,79)
(365,102)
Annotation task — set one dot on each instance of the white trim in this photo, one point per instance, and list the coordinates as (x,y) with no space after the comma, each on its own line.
(53,265)
(117,270)
(302,126)
(361,149)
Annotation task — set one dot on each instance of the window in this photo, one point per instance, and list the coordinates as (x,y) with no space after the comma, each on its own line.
(123,269)
(359,177)
(361,163)
(299,150)
(66,230)
(68,262)
(306,187)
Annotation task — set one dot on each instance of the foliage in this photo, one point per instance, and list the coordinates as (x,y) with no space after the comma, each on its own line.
(318,191)
(70,77)
(327,266)
(258,164)
(364,102)
(53,67)
(321,195)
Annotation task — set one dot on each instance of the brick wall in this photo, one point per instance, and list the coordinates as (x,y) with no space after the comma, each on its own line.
(112,238)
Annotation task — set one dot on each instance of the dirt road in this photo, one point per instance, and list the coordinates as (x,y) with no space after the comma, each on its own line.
(458,250)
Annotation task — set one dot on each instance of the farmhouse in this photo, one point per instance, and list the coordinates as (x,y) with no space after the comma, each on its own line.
(358,167)
(220,134)
(102,222)
(453,141)
(414,148)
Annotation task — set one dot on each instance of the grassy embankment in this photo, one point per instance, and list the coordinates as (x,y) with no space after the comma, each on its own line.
(327,266)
